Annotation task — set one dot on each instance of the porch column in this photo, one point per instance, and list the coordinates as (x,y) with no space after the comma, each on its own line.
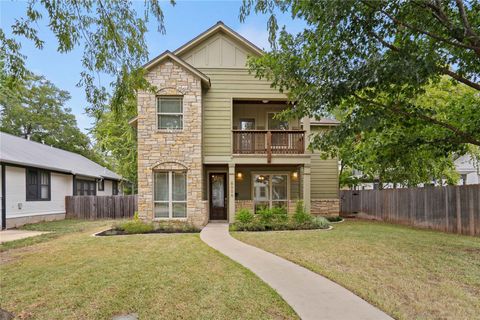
(306,186)
(231,192)
(306,128)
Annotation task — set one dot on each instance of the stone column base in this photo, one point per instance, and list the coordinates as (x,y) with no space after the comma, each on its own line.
(325,207)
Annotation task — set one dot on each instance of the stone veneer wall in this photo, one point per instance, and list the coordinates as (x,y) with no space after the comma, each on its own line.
(167,150)
(325,207)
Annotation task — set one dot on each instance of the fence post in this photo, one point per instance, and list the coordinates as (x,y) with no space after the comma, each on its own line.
(447,222)
(459,212)
(470,207)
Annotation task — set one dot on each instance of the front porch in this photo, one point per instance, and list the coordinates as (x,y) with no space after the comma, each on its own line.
(231,187)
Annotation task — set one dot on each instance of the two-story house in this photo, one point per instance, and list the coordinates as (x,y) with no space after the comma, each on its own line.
(209,143)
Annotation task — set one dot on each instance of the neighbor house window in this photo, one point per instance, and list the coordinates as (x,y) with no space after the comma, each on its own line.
(170,112)
(270,190)
(114,188)
(38,185)
(85,187)
(170,194)
(101,185)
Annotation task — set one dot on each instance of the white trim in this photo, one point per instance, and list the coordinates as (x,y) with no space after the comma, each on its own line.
(270,174)
(157,113)
(22,215)
(170,201)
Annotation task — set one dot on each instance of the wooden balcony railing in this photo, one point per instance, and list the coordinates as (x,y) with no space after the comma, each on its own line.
(268,142)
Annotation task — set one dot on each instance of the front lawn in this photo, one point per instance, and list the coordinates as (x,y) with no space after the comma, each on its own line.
(409,273)
(55,229)
(77,276)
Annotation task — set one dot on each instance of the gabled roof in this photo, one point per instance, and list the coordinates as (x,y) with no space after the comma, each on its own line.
(219,26)
(169,55)
(324,122)
(19,151)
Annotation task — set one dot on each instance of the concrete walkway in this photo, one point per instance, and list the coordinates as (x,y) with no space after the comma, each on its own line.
(14,234)
(310,295)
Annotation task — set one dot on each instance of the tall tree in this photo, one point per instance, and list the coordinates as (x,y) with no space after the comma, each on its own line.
(376,57)
(111,33)
(117,141)
(35,108)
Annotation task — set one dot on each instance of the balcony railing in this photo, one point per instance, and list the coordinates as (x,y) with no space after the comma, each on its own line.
(268,142)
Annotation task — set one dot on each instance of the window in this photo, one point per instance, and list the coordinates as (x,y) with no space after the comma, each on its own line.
(270,190)
(101,185)
(114,188)
(85,187)
(170,194)
(169,113)
(38,185)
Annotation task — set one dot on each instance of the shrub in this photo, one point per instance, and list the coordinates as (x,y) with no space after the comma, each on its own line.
(265,214)
(320,223)
(136,226)
(334,219)
(279,214)
(301,216)
(244,216)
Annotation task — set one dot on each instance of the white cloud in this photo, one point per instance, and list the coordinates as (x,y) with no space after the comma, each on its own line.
(258,35)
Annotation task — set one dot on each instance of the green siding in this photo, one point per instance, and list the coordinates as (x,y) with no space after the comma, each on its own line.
(324,175)
(228,84)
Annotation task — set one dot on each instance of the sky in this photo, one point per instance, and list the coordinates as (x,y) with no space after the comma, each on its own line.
(183,22)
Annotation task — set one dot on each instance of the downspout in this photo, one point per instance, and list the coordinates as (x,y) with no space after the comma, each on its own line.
(4,200)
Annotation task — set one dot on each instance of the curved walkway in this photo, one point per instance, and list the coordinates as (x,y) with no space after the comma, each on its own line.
(310,295)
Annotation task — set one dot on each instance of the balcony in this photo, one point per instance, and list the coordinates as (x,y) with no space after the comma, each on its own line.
(268,142)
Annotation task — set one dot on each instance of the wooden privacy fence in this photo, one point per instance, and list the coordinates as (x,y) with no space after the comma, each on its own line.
(101,207)
(453,208)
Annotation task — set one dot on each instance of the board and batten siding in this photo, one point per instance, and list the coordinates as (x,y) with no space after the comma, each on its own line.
(324,174)
(226,85)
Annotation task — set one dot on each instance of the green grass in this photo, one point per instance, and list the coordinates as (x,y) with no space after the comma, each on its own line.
(407,272)
(76,276)
(56,229)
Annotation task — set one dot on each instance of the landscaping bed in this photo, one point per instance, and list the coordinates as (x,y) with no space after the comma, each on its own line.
(277,219)
(137,226)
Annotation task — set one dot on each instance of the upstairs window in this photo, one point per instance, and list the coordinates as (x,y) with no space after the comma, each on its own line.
(38,185)
(170,113)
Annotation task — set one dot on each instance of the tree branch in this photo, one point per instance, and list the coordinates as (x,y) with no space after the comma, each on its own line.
(467,138)
(461,79)
(468,29)
(475,48)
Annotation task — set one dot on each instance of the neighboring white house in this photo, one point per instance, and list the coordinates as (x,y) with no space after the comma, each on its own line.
(467,167)
(35,178)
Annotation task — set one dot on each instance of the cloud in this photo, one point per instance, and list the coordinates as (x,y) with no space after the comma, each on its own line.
(258,35)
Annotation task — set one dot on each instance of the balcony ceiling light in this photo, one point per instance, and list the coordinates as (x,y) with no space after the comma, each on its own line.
(265,101)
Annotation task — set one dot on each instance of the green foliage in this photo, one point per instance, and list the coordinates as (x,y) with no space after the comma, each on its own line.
(135,227)
(244,216)
(334,219)
(402,76)
(277,218)
(116,139)
(111,34)
(35,108)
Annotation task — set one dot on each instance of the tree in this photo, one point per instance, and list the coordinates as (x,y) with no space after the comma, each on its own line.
(34,108)
(117,140)
(403,151)
(111,32)
(376,57)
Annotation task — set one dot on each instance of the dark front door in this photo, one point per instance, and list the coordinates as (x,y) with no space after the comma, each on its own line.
(218,196)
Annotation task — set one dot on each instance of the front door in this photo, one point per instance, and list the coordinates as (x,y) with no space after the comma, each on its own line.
(218,196)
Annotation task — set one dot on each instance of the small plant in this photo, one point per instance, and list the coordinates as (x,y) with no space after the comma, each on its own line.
(334,219)
(279,214)
(136,226)
(320,223)
(135,216)
(301,216)
(244,216)
(265,214)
